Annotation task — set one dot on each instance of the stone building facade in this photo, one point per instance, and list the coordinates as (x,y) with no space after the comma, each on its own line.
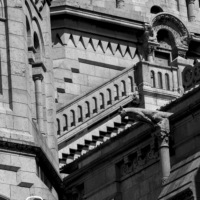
(28,140)
(67,67)
(113,53)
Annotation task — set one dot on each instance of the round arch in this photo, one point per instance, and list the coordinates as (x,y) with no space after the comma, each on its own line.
(172,24)
(156,9)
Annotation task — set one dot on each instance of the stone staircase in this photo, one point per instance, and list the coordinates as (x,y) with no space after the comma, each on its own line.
(80,130)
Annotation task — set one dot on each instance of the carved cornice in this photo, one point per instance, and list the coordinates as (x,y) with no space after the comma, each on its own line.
(53,176)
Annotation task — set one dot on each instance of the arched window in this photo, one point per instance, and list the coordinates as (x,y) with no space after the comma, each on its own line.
(160,84)
(87,109)
(65,128)
(116,92)
(109,101)
(130,83)
(94,105)
(80,114)
(58,126)
(123,86)
(153,84)
(156,9)
(101,101)
(167,84)
(72,118)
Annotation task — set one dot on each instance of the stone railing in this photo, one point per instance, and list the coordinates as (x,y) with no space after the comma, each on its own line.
(77,113)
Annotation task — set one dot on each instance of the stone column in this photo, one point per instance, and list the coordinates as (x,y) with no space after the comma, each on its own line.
(191,11)
(120,4)
(38,75)
(163,139)
(39,106)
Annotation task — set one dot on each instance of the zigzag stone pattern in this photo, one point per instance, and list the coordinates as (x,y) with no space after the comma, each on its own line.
(105,46)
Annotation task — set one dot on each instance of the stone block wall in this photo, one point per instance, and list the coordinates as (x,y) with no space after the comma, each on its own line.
(17,98)
(24,27)
(89,56)
(19,178)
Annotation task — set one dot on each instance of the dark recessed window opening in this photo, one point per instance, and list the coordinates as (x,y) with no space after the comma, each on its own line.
(156,9)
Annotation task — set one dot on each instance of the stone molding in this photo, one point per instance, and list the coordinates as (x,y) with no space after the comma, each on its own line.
(120,47)
(40,155)
(162,18)
(174,25)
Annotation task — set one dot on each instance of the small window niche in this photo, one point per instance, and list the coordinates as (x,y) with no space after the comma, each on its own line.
(156,9)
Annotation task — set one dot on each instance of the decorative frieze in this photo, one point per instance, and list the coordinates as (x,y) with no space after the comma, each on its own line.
(87,42)
(135,161)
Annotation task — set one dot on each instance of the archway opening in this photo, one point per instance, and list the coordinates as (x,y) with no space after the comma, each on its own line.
(156,9)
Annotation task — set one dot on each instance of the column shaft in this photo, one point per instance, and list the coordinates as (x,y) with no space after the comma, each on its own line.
(165,162)
(39,104)
(191,11)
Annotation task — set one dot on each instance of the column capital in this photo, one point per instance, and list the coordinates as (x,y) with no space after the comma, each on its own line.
(38,71)
(163,132)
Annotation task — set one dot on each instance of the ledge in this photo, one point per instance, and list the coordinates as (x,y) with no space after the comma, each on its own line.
(114,16)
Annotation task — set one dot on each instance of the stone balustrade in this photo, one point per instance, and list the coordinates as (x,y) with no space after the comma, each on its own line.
(94,103)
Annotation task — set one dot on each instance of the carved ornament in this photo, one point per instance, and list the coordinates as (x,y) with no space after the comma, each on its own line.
(138,159)
(185,195)
(191,76)
(174,25)
(152,117)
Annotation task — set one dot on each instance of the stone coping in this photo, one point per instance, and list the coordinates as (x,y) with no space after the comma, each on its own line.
(122,17)
(75,100)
